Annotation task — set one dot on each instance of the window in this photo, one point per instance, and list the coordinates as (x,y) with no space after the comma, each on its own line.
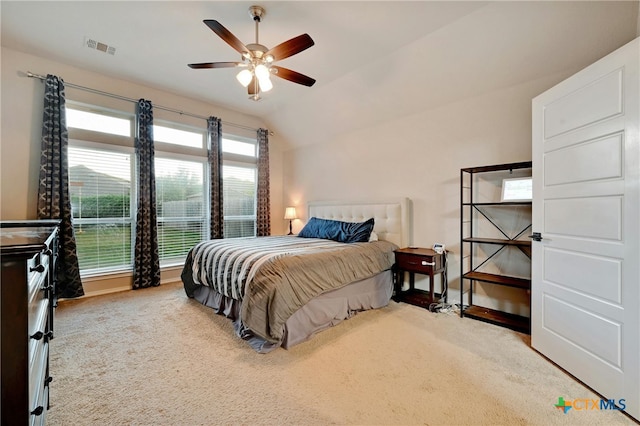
(103,183)
(181,190)
(239,180)
(101,203)
(232,146)
(239,200)
(177,136)
(180,196)
(98,122)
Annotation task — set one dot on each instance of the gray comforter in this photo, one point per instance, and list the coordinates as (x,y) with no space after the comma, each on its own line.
(275,276)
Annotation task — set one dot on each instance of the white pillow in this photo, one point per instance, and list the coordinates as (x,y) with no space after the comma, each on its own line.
(373,237)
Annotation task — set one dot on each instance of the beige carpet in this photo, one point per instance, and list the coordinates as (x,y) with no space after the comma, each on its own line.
(155,357)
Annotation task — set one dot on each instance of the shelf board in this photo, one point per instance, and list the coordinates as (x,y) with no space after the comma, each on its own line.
(500,203)
(522,283)
(417,297)
(519,243)
(514,322)
(498,167)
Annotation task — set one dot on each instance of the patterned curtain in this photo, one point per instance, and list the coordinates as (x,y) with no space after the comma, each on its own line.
(263,216)
(214,129)
(146,265)
(54,201)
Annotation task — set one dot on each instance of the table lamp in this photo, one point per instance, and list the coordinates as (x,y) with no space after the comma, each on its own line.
(290,215)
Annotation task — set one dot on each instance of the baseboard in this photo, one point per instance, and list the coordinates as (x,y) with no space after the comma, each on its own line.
(114,283)
(91,293)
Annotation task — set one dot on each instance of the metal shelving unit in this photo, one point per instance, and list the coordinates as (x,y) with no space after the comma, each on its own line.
(472,273)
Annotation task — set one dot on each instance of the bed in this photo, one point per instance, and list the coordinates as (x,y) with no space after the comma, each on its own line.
(279,291)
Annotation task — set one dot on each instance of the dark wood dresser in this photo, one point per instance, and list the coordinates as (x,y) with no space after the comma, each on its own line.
(28,251)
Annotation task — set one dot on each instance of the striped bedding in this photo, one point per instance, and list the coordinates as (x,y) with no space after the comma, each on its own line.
(274,276)
(227,265)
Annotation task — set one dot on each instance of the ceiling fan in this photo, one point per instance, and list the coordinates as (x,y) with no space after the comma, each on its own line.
(257,60)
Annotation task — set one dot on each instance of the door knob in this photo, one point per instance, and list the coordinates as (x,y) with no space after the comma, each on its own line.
(536,236)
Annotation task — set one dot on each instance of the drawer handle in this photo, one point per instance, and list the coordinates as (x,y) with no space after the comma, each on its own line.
(48,380)
(48,252)
(38,411)
(39,268)
(425,263)
(38,335)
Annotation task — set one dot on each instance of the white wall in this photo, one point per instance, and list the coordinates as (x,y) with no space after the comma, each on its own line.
(419,149)
(21,117)
(420,157)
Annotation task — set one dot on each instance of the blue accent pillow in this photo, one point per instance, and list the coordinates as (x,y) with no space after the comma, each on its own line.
(344,232)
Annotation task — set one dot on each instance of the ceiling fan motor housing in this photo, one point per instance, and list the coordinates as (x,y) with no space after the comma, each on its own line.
(257,50)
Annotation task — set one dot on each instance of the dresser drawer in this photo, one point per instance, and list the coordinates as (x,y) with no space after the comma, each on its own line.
(424,264)
(37,271)
(41,420)
(38,326)
(38,386)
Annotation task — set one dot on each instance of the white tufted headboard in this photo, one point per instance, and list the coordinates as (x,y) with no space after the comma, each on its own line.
(393,218)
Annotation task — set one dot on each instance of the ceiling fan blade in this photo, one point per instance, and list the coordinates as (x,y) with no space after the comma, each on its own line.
(294,76)
(291,47)
(226,35)
(215,65)
(253,87)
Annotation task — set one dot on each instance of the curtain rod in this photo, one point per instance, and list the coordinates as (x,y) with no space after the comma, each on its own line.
(124,98)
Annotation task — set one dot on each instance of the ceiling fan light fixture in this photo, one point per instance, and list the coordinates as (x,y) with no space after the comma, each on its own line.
(262,72)
(265,84)
(258,60)
(244,77)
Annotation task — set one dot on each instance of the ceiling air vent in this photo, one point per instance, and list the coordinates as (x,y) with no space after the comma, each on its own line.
(96,45)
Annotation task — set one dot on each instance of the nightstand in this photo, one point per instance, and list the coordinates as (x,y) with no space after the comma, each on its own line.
(419,261)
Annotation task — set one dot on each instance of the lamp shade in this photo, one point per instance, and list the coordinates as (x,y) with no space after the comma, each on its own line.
(261,71)
(244,77)
(290,213)
(265,84)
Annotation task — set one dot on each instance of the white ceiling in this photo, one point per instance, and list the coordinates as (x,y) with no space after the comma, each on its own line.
(373,60)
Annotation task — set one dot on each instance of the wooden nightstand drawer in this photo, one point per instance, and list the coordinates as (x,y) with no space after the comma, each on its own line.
(424,264)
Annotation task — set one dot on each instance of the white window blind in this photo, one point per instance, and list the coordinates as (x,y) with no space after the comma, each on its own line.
(180,199)
(239,200)
(100,189)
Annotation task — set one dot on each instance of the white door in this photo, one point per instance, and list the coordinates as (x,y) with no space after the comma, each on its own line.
(585,300)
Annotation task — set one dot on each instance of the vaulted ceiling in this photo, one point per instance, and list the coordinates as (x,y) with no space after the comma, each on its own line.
(373,60)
